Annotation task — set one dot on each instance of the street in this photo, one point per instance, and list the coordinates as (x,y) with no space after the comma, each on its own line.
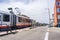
(39,33)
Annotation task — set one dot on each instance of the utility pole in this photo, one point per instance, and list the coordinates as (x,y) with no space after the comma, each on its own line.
(49,15)
(48,11)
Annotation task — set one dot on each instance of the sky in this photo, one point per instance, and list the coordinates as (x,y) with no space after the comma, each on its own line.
(35,9)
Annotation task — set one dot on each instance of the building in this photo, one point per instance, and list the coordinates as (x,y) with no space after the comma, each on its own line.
(57,13)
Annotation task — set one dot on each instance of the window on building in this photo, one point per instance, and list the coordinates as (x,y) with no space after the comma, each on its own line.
(58,3)
(6,18)
(58,16)
(58,9)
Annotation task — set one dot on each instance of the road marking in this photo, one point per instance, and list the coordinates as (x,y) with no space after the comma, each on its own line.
(0,39)
(46,36)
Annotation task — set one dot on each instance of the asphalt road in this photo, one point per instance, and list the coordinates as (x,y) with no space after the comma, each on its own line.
(40,33)
(54,34)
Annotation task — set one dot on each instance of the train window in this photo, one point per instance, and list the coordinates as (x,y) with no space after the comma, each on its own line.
(19,19)
(6,18)
(0,17)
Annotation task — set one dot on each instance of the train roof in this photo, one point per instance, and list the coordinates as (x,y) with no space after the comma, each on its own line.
(23,16)
(4,12)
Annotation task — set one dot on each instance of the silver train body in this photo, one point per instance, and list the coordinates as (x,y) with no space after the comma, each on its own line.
(8,20)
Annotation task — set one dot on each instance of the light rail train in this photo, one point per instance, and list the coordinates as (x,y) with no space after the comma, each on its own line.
(8,20)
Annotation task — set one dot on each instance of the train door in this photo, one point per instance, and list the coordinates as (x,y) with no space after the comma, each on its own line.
(14,20)
(0,19)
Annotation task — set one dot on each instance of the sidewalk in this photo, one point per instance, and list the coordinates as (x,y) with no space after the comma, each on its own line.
(55,29)
(18,30)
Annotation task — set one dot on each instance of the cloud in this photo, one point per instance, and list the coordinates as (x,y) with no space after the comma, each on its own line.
(35,9)
(23,1)
(4,1)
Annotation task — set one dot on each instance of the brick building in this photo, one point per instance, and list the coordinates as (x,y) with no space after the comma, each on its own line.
(57,13)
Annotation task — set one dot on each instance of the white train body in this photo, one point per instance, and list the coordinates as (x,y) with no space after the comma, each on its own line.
(6,20)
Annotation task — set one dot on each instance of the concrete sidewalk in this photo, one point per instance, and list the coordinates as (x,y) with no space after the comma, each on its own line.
(18,30)
(55,29)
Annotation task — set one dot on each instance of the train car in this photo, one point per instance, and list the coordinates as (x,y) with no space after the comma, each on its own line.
(8,20)
(23,21)
(4,20)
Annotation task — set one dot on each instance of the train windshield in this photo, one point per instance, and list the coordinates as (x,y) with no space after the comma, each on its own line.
(6,18)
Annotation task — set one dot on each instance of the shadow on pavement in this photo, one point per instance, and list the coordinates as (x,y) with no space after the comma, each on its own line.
(8,34)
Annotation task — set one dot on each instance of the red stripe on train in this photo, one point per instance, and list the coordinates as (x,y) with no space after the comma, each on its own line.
(4,26)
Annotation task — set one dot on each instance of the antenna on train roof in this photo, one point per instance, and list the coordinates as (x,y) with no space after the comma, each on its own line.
(18,10)
(10,9)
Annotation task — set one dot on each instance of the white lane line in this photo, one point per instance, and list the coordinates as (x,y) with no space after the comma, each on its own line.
(0,39)
(46,36)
